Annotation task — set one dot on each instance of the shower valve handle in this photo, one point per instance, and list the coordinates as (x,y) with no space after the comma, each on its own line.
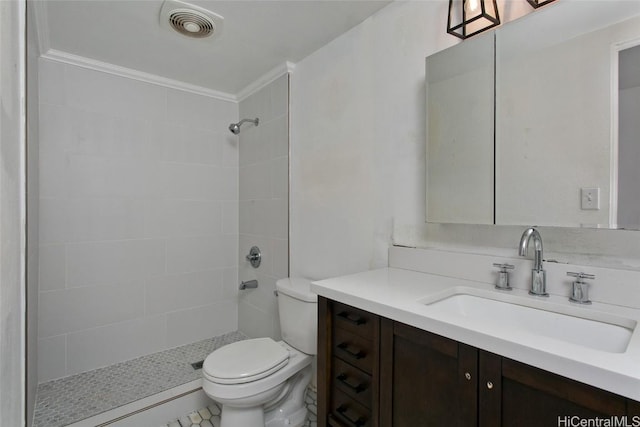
(254,257)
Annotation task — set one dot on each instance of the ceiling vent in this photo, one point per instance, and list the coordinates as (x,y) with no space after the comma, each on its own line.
(190,21)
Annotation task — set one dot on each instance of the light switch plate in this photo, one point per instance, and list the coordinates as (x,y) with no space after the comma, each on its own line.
(590,198)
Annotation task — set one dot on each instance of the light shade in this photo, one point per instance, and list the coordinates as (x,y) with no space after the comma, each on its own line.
(537,3)
(470,17)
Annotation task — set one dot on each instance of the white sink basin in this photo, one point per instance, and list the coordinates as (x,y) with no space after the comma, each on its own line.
(585,327)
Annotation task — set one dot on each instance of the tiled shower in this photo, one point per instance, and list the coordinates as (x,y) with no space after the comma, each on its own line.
(147,208)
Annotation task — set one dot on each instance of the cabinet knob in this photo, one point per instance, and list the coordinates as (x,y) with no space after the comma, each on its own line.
(489,385)
(467,375)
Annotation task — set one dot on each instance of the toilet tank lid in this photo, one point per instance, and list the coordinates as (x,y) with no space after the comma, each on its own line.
(298,288)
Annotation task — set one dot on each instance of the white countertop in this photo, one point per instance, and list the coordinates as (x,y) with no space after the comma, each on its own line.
(399,295)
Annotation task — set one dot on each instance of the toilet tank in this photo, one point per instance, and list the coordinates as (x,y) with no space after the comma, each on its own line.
(298,308)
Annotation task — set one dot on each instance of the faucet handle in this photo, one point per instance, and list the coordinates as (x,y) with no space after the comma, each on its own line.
(503,276)
(579,288)
(581,275)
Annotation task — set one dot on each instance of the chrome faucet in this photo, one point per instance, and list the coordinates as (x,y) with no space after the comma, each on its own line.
(538,275)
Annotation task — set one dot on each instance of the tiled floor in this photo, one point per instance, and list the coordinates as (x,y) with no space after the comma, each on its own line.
(205,417)
(210,416)
(71,399)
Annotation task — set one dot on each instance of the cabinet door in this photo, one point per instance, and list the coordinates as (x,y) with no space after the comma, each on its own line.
(426,379)
(515,394)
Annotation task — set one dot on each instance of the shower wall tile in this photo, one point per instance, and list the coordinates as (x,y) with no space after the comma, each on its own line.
(279,134)
(53,174)
(187,326)
(178,143)
(116,96)
(51,82)
(279,98)
(138,217)
(72,310)
(279,177)
(280,251)
(53,267)
(55,130)
(111,344)
(255,181)
(182,291)
(189,254)
(199,182)
(193,217)
(230,215)
(263,206)
(259,323)
(201,112)
(98,219)
(99,263)
(54,364)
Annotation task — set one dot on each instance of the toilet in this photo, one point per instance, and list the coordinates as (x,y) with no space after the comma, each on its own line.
(261,382)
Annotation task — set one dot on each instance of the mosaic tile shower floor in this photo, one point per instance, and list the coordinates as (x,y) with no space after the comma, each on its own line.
(71,399)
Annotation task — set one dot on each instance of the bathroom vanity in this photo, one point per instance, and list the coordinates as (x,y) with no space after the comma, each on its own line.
(390,355)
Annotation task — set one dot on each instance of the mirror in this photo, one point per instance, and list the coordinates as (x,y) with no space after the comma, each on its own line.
(559,161)
(556,161)
(460,92)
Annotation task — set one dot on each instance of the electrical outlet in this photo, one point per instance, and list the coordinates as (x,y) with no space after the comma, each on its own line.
(590,198)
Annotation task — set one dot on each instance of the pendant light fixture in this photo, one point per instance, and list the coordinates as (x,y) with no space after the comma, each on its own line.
(537,3)
(470,17)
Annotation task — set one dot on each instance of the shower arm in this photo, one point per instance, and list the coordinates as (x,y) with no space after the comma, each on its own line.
(254,121)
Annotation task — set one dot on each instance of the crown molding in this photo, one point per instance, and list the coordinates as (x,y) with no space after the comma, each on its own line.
(93,64)
(40,14)
(265,79)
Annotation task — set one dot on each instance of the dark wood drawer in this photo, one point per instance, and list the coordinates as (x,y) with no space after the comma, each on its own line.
(359,322)
(352,381)
(353,349)
(349,412)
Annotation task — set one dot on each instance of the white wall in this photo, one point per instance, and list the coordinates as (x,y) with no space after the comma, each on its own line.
(358,154)
(138,219)
(358,139)
(12,214)
(264,204)
(33,196)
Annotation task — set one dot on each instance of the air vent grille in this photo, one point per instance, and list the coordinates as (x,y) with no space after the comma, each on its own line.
(190,20)
(191,23)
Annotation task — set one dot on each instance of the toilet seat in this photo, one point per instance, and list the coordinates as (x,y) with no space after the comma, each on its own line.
(245,361)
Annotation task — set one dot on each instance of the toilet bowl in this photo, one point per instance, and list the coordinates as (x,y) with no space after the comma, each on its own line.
(261,382)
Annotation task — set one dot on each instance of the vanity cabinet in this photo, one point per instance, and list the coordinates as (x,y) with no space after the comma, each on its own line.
(515,394)
(373,371)
(348,366)
(427,380)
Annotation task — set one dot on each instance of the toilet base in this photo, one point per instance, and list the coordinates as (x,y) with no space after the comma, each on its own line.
(288,409)
(286,417)
(233,417)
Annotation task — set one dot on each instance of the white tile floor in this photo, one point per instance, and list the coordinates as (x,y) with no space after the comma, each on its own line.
(210,416)
(205,417)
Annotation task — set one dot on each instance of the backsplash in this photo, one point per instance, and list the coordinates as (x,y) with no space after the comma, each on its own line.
(611,286)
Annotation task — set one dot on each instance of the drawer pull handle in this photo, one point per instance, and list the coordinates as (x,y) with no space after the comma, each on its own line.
(351,416)
(353,318)
(355,353)
(357,388)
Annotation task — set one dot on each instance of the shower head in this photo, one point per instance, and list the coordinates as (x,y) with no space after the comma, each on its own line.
(235,127)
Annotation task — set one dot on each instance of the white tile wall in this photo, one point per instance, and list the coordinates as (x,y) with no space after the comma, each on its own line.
(138,219)
(264,205)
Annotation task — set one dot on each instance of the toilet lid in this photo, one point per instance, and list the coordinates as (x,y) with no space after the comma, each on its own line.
(245,361)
